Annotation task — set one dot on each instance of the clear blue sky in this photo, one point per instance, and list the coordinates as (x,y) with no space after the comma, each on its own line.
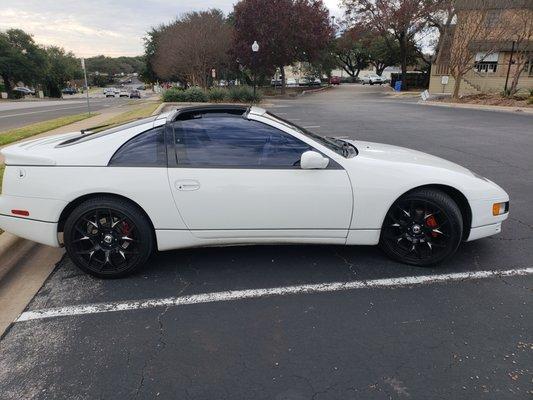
(93,27)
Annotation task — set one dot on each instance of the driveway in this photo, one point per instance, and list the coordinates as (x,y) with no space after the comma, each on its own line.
(342,322)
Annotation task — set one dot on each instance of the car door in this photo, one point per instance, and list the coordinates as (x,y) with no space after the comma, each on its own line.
(234,177)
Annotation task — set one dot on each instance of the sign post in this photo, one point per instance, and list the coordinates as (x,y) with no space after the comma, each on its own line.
(86,85)
(444,81)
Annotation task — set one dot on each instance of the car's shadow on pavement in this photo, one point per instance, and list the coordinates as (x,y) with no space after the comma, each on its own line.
(207,270)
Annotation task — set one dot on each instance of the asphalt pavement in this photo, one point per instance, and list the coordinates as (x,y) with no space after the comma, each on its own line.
(14,114)
(464,338)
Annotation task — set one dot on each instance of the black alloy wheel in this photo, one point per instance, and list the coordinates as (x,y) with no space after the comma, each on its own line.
(107,237)
(422,228)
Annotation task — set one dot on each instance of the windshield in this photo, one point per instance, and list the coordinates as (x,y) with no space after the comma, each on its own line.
(339,146)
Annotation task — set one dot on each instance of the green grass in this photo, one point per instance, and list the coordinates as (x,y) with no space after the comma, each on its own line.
(14,135)
(140,112)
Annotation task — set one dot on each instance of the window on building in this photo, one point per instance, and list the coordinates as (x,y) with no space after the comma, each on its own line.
(486,63)
(529,67)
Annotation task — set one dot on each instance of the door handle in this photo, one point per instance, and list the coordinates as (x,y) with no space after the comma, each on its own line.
(187,185)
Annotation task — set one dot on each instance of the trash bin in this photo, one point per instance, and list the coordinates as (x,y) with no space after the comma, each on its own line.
(398,86)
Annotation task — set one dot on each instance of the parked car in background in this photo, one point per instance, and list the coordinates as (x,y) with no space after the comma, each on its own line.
(275,82)
(69,90)
(124,93)
(314,81)
(373,79)
(110,92)
(135,94)
(238,175)
(291,82)
(141,87)
(335,80)
(23,90)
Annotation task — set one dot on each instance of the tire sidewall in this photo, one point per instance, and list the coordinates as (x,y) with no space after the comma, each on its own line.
(453,213)
(131,212)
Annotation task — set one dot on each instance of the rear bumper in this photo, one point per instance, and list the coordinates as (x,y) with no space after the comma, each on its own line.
(37,231)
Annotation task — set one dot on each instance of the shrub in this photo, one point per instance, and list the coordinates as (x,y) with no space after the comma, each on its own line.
(244,94)
(173,95)
(195,95)
(217,94)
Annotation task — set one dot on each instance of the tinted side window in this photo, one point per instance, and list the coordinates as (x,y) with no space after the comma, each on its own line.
(144,150)
(227,141)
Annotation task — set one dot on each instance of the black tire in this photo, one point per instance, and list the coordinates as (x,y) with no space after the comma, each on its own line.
(108,237)
(422,228)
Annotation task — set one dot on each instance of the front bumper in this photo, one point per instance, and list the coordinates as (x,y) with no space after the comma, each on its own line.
(484,223)
(484,231)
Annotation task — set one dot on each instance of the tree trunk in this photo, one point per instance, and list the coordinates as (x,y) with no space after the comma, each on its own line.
(282,71)
(7,84)
(457,86)
(403,58)
(516,78)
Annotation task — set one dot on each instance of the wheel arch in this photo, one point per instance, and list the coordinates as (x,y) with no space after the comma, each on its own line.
(457,196)
(79,200)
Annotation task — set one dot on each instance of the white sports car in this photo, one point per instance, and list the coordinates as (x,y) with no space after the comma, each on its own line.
(219,175)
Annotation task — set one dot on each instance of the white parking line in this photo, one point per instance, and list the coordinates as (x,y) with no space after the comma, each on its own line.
(232,295)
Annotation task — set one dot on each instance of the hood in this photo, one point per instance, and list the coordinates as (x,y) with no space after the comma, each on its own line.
(395,154)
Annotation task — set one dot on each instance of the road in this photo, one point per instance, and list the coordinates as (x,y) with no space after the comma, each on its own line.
(19,113)
(464,338)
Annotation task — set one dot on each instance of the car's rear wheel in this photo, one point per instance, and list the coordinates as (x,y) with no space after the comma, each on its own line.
(108,237)
(422,228)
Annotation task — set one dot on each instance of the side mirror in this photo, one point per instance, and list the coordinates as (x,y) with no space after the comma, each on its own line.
(313,160)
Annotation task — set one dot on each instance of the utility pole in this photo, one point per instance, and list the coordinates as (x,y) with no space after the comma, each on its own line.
(86,85)
(509,68)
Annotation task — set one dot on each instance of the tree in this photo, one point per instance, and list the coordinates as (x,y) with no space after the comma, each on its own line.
(147,72)
(385,52)
(398,19)
(286,31)
(21,59)
(352,50)
(472,37)
(520,25)
(113,66)
(191,46)
(61,67)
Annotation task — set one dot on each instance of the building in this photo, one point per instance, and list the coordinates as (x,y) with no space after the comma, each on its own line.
(487,33)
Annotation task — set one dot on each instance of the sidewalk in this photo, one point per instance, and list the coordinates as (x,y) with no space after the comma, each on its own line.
(525,110)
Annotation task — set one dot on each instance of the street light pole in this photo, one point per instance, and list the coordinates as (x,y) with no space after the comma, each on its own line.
(86,85)
(255,49)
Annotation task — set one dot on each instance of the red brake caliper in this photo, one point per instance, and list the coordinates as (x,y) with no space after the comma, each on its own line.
(432,223)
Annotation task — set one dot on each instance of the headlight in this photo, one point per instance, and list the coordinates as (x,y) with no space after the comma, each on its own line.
(500,208)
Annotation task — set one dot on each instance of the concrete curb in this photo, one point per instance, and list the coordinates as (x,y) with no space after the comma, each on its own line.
(481,107)
(8,243)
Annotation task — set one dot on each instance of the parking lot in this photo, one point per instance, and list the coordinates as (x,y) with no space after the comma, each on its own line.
(368,335)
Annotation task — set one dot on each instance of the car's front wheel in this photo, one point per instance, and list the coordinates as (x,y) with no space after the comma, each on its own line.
(108,237)
(422,228)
